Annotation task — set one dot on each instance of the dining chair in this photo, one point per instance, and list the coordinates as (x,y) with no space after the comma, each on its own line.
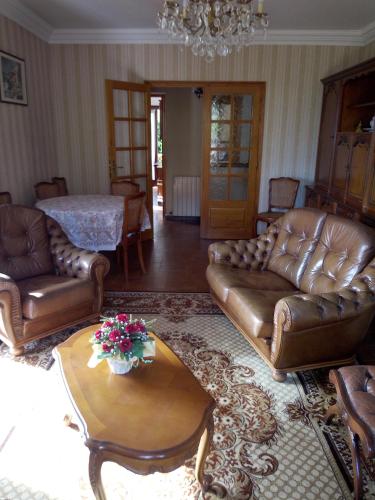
(61,182)
(5,197)
(45,190)
(282,193)
(134,207)
(124,188)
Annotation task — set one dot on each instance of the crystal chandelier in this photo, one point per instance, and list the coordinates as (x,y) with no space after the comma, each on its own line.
(212,26)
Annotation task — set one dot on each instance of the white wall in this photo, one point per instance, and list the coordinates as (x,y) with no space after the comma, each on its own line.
(183,135)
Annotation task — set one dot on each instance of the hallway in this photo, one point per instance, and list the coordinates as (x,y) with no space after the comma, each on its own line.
(176,261)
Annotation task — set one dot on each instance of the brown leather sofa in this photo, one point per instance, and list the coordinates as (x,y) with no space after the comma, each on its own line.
(302,293)
(46,283)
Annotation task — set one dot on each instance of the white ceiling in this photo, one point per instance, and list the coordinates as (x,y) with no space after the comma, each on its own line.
(346,18)
(284,14)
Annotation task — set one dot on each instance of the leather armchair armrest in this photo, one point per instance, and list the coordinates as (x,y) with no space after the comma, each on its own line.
(11,326)
(245,254)
(76,262)
(72,261)
(312,327)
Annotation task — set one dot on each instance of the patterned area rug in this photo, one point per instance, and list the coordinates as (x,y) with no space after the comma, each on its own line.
(268,441)
(175,306)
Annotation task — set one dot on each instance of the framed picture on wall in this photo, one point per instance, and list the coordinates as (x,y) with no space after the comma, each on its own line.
(12,79)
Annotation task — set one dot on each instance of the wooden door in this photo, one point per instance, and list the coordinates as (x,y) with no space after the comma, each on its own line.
(233,126)
(358,167)
(128,111)
(341,165)
(328,125)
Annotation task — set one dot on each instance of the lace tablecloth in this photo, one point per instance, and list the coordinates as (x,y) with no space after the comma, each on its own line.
(90,221)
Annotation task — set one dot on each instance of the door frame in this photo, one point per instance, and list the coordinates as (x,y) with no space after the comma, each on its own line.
(163,135)
(204,84)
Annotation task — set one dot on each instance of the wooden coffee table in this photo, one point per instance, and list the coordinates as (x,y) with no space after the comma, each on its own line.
(150,420)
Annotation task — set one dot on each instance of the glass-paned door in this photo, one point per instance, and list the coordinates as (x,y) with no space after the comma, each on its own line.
(233,116)
(128,110)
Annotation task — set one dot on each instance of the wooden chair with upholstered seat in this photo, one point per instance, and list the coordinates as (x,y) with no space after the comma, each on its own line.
(5,198)
(44,190)
(61,182)
(282,193)
(134,207)
(124,188)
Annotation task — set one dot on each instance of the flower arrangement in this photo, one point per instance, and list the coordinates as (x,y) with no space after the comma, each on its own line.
(125,339)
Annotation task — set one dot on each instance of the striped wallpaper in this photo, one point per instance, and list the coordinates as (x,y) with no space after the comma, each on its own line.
(27,141)
(292,111)
(75,144)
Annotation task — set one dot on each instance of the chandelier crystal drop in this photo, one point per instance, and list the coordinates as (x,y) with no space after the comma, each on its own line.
(213,27)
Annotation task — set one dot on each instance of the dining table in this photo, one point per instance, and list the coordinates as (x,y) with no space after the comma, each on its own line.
(90,221)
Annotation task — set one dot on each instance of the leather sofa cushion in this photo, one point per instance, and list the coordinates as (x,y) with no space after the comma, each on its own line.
(43,295)
(24,244)
(344,248)
(297,239)
(256,308)
(222,278)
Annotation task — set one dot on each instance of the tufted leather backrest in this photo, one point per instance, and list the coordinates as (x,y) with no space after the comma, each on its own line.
(299,232)
(344,248)
(24,243)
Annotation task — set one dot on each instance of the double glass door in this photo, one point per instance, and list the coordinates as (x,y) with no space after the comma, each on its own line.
(233,124)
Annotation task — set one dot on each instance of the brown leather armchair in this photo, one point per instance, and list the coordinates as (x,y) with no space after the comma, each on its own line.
(303,293)
(46,283)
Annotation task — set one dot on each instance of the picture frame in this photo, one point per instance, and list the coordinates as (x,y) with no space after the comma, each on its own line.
(12,79)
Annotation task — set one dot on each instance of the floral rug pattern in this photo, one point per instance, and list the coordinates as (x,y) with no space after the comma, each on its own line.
(268,442)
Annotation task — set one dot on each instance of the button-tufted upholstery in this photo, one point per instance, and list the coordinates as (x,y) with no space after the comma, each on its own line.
(46,283)
(355,387)
(344,248)
(297,240)
(24,246)
(303,293)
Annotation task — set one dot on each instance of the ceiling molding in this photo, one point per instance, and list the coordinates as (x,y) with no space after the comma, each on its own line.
(148,36)
(368,33)
(25,17)
(22,15)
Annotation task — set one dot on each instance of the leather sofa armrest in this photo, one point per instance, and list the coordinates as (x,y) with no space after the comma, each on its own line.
(245,254)
(312,327)
(11,326)
(304,311)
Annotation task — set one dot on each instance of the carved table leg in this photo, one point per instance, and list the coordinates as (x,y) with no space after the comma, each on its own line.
(357,476)
(205,481)
(95,465)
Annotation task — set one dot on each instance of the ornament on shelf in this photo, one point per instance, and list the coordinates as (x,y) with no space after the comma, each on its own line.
(359,128)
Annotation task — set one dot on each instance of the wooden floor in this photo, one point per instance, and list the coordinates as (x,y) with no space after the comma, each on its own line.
(176,261)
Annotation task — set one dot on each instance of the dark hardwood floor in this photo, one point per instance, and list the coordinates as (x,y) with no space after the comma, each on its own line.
(176,261)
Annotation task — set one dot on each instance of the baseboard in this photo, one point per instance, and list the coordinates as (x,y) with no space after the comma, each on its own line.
(182,218)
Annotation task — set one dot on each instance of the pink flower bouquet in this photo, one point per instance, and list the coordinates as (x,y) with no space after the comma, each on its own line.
(123,338)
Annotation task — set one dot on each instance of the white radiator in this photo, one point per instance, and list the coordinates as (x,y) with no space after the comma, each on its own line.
(187,196)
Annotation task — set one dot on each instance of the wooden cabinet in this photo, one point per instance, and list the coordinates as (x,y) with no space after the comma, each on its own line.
(345,169)
(328,126)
